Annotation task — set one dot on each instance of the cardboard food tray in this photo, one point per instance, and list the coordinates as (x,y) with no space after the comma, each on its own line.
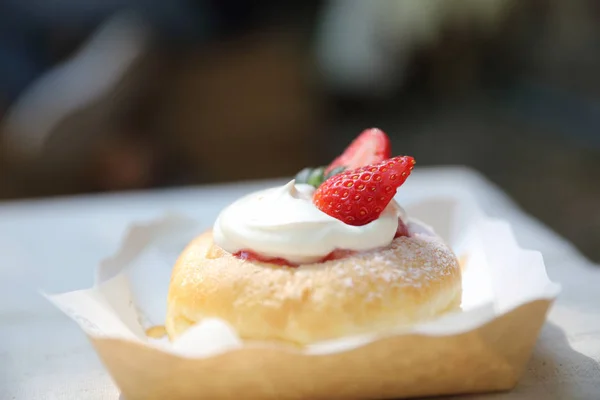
(483,348)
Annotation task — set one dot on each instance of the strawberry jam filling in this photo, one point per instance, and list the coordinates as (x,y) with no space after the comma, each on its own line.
(251,256)
(337,254)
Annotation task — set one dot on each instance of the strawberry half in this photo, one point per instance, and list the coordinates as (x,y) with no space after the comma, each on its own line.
(359,196)
(370,147)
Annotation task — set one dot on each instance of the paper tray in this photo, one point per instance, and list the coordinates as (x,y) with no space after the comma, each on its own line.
(483,348)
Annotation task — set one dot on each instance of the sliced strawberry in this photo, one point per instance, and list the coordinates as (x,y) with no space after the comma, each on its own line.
(359,196)
(248,255)
(370,147)
(251,256)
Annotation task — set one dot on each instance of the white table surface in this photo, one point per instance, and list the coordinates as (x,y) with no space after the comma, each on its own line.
(55,245)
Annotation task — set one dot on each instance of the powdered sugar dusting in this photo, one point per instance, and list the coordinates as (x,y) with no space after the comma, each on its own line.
(360,292)
(417,261)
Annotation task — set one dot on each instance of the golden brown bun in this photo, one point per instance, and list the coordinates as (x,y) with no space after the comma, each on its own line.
(414,279)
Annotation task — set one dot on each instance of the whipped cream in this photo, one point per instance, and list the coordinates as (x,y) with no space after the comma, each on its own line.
(284,222)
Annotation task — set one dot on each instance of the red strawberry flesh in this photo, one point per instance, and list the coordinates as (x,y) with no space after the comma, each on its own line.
(251,256)
(359,196)
(370,147)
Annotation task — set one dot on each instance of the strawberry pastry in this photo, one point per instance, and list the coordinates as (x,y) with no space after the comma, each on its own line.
(329,254)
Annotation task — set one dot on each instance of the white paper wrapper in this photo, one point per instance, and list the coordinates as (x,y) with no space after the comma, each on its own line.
(506,294)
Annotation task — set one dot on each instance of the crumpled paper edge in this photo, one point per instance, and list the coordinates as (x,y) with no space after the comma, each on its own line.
(141,235)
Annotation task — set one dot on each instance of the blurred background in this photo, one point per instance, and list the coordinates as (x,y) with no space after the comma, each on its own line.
(113,95)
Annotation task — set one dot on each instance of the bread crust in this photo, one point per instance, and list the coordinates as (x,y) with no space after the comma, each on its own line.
(414,279)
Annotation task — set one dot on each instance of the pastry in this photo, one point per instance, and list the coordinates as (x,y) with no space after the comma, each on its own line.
(329,254)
